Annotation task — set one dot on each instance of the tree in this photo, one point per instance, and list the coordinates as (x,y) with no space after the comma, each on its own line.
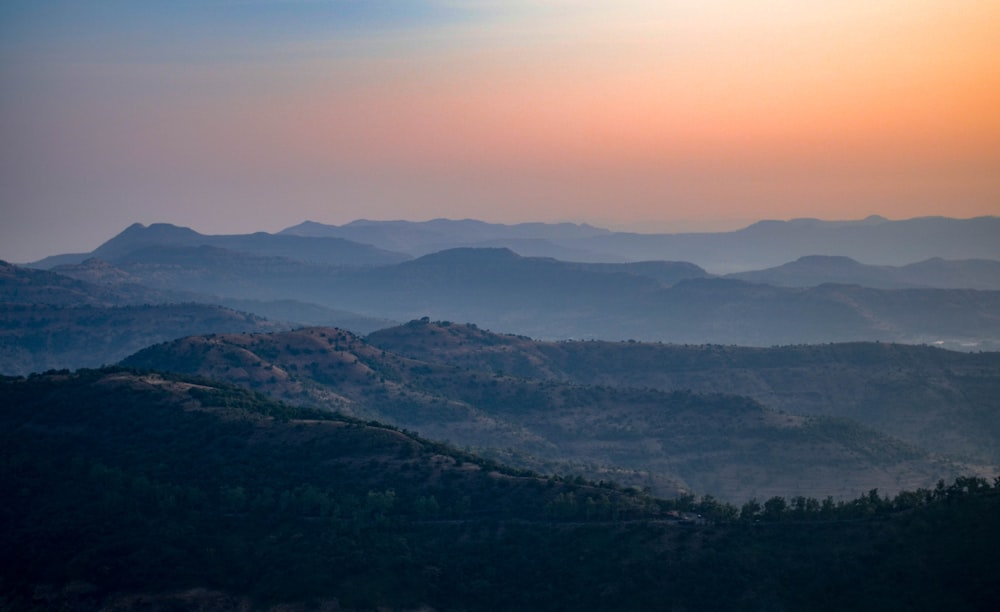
(774,508)
(750,510)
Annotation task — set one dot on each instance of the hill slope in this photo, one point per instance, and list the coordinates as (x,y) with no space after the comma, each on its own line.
(948,402)
(135,492)
(726,445)
(51,321)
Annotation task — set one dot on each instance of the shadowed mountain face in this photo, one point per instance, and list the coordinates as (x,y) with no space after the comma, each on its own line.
(726,445)
(947,402)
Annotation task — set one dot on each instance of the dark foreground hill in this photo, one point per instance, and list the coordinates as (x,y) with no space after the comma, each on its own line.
(944,401)
(125,491)
(727,445)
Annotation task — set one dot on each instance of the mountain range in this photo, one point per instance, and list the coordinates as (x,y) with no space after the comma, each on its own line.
(727,445)
(320,250)
(638,431)
(943,401)
(874,240)
(935,273)
(672,301)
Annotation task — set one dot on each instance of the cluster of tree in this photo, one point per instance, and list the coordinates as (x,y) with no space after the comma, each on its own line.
(114,482)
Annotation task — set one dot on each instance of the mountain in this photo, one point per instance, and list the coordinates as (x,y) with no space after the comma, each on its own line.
(933,273)
(51,321)
(545,298)
(425,237)
(765,244)
(23,285)
(327,251)
(128,491)
(730,446)
(771,243)
(944,401)
(181,468)
(40,337)
(557,300)
(206,273)
(945,274)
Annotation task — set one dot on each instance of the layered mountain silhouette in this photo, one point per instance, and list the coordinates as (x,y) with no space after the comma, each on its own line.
(331,251)
(170,483)
(547,298)
(50,321)
(934,273)
(874,240)
(554,240)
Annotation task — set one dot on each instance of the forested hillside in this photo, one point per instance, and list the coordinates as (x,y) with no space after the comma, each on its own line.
(727,445)
(131,491)
(944,401)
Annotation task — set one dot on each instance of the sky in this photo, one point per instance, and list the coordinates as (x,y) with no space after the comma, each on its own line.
(233,116)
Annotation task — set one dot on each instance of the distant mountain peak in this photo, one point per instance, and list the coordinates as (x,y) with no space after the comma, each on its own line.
(471,255)
(826,259)
(874,219)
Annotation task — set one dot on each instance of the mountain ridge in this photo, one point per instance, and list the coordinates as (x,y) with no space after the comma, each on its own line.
(726,445)
(916,393)
(932,273)
(319,250)
(767,243)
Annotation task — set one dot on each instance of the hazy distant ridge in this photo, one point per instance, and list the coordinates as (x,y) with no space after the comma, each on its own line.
(936,273)
(330,251)
(874,240)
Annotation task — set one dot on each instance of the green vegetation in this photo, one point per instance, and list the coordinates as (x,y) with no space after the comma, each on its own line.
(910,392)
(725,445)
(118,484)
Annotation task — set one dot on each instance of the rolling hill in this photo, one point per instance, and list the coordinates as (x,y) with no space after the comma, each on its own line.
(146,491)
(51,321)
(944,401)
(730,446)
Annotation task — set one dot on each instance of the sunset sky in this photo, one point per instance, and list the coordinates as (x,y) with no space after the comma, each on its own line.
(233,116)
